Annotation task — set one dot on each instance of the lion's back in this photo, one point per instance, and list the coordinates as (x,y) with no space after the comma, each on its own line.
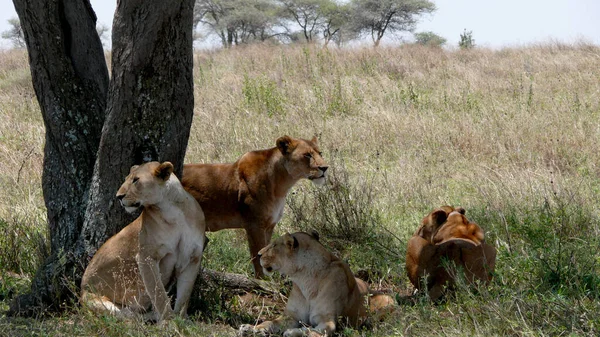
(114,263)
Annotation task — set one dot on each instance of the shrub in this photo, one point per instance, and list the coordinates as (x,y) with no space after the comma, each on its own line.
(466,40)
(344,215)
(429,39)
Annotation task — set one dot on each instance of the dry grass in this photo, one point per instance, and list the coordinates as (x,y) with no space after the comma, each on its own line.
(512,135)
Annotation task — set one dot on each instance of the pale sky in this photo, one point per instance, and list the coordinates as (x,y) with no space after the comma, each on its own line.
(494,23)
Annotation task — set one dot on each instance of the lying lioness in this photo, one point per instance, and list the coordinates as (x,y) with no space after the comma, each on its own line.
(446,234)
(250,193)
(130,270)
(323,290)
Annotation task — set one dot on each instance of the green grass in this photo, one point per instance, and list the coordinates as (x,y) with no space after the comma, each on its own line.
(511,135)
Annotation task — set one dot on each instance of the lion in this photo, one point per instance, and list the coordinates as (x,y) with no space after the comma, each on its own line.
(129,272)
(447,235)
(251,192)
(323,289)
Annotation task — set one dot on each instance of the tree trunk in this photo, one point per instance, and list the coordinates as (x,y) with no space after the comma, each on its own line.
(148,117)
(376,42)
(150,106)
(70,79)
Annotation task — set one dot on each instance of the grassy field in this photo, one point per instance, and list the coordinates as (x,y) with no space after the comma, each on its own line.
(512,135)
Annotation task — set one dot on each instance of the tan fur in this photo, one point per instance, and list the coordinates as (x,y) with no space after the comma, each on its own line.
(130,270)
(250,193)
(323,290)
(446,234)
(433,221)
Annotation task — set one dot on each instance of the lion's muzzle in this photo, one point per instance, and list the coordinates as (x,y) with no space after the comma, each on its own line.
(129,207)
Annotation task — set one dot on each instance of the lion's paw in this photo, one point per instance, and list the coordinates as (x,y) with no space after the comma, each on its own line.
(299,332)
(252,330)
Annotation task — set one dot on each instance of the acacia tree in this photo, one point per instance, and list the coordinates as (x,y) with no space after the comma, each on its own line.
(336,17)
(307,14)
(15,33)
(238,21)
(95,130)
(380,16)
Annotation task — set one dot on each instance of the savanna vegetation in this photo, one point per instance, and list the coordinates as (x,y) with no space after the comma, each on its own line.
(512,135)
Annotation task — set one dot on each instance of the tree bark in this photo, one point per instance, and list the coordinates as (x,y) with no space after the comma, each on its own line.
(70,79)
(148,107)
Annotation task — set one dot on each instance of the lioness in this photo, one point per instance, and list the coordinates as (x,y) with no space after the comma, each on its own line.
(130,270)
(323,290)
(447,234)
(250,193)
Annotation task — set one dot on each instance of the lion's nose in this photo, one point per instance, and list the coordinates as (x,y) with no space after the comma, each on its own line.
(120,196)
(258,255)
(323,168)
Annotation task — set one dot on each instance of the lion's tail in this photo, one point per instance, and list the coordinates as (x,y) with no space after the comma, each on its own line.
(103,305)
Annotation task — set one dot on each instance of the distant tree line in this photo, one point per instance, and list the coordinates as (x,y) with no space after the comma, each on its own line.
(237,22)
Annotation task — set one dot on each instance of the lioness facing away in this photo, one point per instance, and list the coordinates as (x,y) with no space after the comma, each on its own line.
(447,234)
(323,289)
(250,193)
(130,270)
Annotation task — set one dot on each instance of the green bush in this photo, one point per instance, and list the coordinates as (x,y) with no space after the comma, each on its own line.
(261,94)
(430,39)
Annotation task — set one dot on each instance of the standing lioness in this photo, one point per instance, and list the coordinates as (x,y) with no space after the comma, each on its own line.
(250,193)
(129,272)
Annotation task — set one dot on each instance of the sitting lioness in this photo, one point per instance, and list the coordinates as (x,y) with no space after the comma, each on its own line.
(130,270)
(250,193)
(323,290)
(447,234)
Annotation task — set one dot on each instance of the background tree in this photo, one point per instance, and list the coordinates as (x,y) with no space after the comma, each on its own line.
(212,13)
(95,130)
(252,21)
(308,14)
(466,40)
(238,21)
(336,18)
(15,33)
(429,39)
(380,16)
(103,33)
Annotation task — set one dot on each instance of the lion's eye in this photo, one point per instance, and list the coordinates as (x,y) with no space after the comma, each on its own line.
(308,155)
(135,180)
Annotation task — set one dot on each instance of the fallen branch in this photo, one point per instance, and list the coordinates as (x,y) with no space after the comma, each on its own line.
(237,283)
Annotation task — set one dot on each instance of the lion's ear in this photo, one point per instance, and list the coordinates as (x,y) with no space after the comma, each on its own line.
(460,210)
(420,231)
(133,168)
(164,170)
(314,140)
(314,234)
(284,143)
(439,216)
(290,241)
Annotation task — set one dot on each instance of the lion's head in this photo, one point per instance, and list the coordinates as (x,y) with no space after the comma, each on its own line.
(289,252)
(458,226)
(144,185)
(433,221)
(303,158)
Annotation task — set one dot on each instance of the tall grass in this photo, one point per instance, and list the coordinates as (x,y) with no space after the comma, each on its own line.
(512,135)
